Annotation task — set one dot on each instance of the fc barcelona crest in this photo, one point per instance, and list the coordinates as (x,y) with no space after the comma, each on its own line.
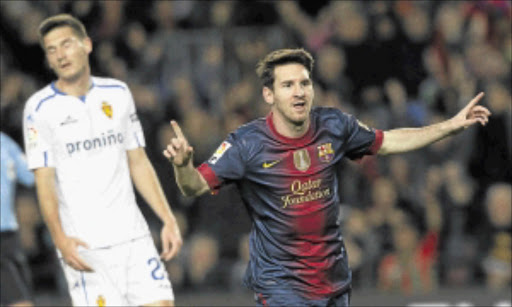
(301,160)
(325,152)
(107,109)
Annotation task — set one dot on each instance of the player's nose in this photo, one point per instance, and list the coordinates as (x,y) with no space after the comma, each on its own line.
(61,55)
(298,90)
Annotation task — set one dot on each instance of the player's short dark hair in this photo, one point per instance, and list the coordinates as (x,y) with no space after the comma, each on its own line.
(265,67)
(61,20)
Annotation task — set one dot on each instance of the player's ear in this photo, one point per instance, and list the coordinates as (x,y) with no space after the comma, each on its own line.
(268,95)
(88,44)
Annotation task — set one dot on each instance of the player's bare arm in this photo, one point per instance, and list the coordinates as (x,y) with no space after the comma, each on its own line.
(46,192)
(147,183)
(407,139)
(179,152)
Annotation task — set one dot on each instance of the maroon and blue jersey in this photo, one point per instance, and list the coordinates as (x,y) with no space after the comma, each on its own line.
(290,189)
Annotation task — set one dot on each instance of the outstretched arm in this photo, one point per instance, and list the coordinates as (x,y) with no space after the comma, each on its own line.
(407,139)
(179,152)
(145,180)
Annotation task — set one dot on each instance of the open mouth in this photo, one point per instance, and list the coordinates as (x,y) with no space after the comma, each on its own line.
(299,105)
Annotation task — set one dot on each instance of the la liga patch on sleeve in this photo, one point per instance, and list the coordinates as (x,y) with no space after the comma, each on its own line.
(219,152)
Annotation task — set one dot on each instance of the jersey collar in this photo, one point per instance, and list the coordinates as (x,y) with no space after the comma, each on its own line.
(300,141)
(59,92)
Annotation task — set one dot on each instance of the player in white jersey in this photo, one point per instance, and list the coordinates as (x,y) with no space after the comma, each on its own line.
(86,146)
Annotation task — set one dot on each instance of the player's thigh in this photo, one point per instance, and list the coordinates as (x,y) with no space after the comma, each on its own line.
(148,281)
(98,288)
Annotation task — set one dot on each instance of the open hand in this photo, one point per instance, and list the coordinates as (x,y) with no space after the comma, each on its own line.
(171,240)
(69,249)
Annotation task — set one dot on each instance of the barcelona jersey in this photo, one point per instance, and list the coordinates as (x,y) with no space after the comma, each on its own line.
(290,189)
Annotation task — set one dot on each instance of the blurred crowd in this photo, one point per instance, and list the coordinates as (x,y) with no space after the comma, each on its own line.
(440,216)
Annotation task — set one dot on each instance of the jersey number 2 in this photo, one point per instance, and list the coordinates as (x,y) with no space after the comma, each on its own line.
(157,272)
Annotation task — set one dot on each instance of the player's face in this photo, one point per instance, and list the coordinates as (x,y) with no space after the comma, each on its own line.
(67,54)
(292,95)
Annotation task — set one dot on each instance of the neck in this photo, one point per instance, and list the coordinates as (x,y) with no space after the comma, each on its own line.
(78,86)
(290,129)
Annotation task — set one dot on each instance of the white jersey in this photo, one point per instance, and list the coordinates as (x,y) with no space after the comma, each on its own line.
(85,139)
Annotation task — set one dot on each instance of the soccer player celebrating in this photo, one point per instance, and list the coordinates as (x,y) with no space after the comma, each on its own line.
(86,145)
(285,166)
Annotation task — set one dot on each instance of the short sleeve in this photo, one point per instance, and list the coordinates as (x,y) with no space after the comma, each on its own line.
(23,174)
(37,138)
(225,165)
(134,133)
(360,139)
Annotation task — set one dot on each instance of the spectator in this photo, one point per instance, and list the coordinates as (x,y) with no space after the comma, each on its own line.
(411,267)
(382,212)
(458,248)
(203,267)
(497,241)
(362,246)
(238,268)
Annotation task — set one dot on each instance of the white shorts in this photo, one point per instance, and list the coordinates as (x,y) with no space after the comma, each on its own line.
(127,274)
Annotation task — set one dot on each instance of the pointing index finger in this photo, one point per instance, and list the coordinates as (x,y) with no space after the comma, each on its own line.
(177,129)
(475,100)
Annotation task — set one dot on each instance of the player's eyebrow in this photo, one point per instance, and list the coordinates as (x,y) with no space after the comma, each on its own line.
(300,80)
(65,40)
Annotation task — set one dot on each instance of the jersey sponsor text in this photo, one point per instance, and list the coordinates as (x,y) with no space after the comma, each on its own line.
(98,142)
(305,191)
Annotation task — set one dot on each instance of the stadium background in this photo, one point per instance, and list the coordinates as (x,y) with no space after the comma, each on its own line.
(390,63)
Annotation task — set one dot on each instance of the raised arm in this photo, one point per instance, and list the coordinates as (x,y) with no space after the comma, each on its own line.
(407,139)
(47,196)
(179,152)
(147,183)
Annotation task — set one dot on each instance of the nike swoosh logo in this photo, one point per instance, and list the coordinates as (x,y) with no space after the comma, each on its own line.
(68,120)
(270,164)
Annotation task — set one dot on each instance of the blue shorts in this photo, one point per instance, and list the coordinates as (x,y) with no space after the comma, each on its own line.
(292,299)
